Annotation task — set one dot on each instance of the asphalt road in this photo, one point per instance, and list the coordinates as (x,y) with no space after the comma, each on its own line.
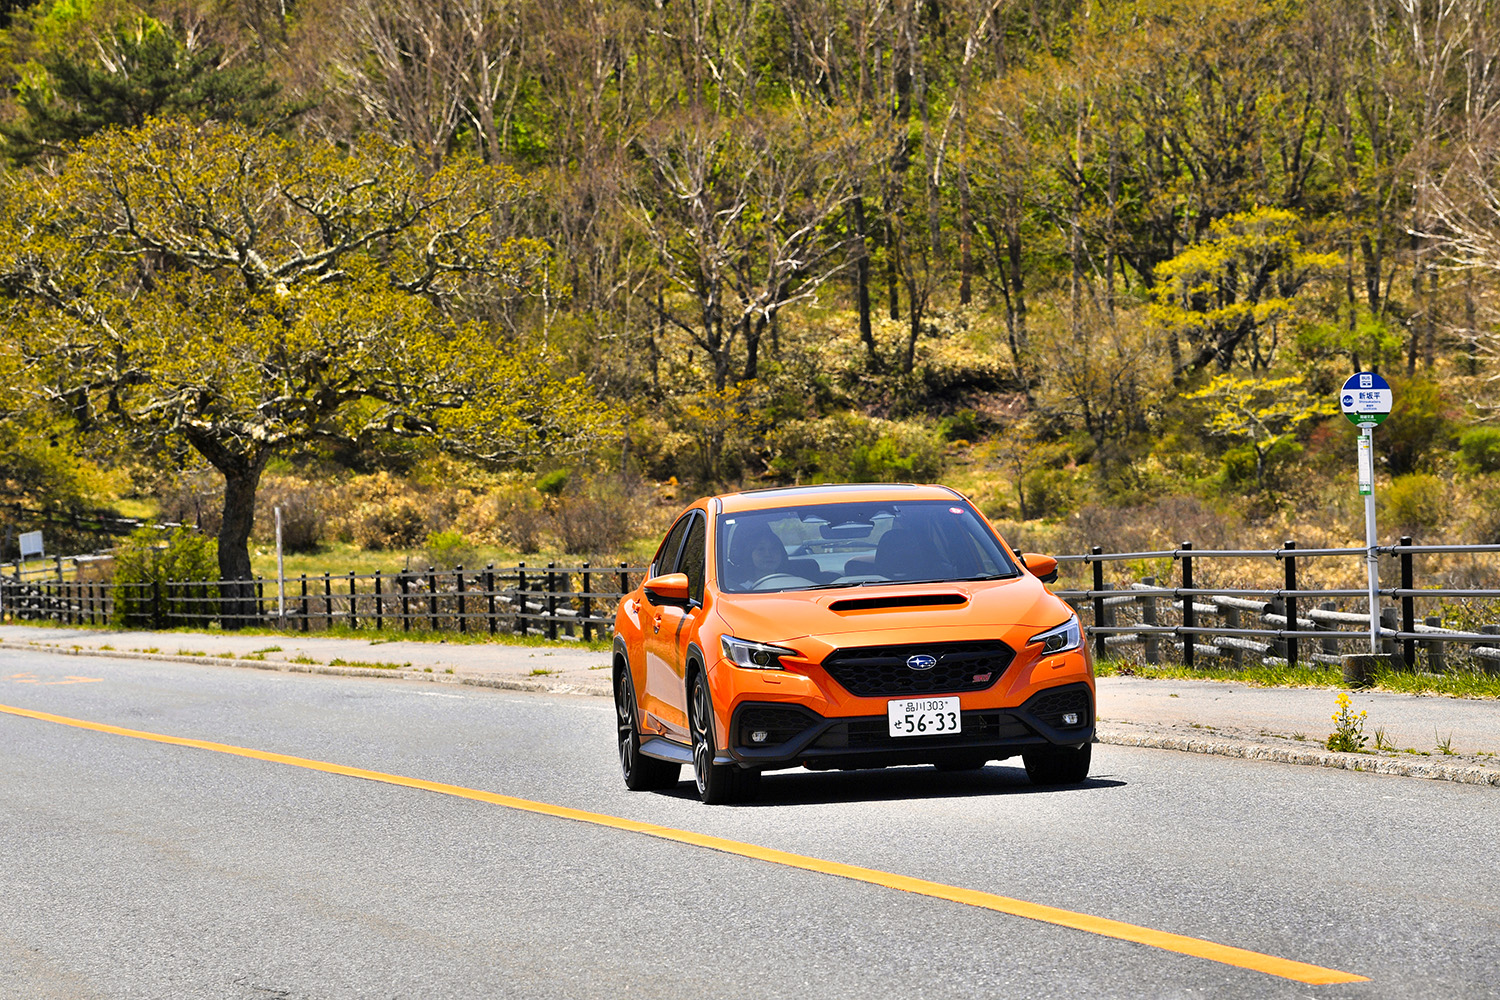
(131,868)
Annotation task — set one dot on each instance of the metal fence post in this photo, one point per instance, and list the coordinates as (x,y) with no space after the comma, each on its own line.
(463,604)
(156,609)
(588,606)
(327,601)
(403,580)
(1289,564)
(1408,608)
(379,608)
(353,620)
(432,597)
(1189,613)
(521,598)
(1098,596)
(306,610)
(1148,618)
(551,601)
(489,593)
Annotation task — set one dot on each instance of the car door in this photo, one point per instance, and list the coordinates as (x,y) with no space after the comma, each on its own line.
(669,627)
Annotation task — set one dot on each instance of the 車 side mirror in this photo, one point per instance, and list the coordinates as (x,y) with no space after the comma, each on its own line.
(1044,568)
(669,588)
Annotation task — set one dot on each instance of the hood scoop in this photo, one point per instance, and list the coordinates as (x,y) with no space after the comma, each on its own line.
(898,601)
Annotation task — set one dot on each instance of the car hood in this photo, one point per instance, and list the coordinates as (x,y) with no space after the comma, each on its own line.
(973,609)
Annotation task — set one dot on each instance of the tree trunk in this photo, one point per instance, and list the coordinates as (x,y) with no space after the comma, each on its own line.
(862,276)
(237,604)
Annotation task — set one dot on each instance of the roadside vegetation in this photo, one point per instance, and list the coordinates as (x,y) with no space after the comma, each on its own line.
(522,290)
(1455,684)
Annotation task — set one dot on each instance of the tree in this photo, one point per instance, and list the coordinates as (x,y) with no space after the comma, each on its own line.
(740,215)
(1264,413)
(1221,292)
(244,295)
(135,71)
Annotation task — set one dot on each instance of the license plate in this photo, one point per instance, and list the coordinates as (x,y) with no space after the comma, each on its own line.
(923,716)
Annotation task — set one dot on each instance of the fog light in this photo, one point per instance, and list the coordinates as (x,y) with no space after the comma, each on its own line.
(1070,718)
(759,736)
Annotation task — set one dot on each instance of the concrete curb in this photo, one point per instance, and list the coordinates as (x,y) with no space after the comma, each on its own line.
(1114,734)
(1117,735)
(287,666)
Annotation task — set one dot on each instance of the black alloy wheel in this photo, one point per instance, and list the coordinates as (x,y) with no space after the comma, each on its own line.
(718,784)
(1057,765)
(641,773)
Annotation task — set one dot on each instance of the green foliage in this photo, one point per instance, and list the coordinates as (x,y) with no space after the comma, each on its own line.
(1246,275)
(331,279)
(1479,450)
(1372,340)
(554,482)
(1420,430)
(137,70)
(41,468)
(849,448)
(965,425)
(148,560)
(1415,503)
(1266,415)
(448,549)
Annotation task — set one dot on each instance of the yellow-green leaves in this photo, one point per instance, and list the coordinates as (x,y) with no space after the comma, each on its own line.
(1221,293)
(246,289)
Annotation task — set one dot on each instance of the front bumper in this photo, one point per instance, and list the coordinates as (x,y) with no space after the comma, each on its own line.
(799,737)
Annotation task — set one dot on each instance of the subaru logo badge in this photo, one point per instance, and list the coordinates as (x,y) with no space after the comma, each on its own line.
(921,661)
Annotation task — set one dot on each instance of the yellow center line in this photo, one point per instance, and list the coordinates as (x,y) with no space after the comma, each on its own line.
(1197,947)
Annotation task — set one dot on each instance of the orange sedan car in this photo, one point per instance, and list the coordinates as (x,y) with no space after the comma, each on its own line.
(847,626)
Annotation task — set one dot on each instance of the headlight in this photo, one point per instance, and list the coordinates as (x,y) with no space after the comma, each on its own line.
(1056,640)
(753,655)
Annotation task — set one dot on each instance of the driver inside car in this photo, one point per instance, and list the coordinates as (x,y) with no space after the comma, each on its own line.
(755,553)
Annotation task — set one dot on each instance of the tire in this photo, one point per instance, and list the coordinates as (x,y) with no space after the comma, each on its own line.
(718,784)
(641,773)
(1057,765)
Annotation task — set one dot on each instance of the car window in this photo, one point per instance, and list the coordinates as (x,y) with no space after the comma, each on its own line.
(666,556)
(831,545)
(693,557)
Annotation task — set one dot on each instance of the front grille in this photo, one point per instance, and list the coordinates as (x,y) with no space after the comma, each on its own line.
(780,724)
(1049,706)
(881,671)
(874,734)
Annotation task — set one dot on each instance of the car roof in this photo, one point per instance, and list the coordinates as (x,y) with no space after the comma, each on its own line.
(793,496)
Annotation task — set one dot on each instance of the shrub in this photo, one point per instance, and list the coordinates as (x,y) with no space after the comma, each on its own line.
(1479,449)
(148,560)
(847,447)
(449,549)
(1416,503)
(380,512)
(1420,428)
(303,523)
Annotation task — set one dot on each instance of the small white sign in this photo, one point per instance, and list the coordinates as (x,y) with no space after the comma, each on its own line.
(31,544)
(1366,466)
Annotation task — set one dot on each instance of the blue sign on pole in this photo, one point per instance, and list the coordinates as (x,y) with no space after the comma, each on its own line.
(1366,399)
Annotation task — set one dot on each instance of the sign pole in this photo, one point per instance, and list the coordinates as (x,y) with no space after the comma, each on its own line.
(1366,400)
(1372,556)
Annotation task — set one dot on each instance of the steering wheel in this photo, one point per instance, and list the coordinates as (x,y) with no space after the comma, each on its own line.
(778,576)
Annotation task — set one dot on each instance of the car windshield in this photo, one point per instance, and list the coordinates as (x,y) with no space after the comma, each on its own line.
(851,544)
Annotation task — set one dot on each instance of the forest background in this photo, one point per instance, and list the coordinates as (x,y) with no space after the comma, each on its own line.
(459,280)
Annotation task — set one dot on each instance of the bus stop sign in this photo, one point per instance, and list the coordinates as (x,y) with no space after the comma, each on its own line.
(1365,399)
